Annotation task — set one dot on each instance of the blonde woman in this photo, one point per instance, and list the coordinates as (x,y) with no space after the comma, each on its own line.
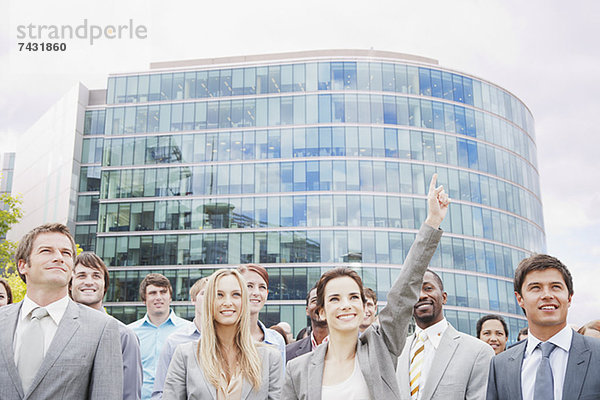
(225,364)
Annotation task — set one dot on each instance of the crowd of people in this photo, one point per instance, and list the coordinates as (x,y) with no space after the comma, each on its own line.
(59,343)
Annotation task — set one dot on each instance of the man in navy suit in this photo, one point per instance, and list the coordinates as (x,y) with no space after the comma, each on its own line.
(554,362)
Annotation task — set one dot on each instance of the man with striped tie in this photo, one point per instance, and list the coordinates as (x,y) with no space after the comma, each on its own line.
(438,362)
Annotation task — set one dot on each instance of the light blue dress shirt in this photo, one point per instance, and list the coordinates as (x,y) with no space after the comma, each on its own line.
(274,338)
(152,338)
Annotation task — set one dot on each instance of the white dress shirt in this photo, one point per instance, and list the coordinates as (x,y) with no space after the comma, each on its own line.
(558,362)
(49,324)
(434,336)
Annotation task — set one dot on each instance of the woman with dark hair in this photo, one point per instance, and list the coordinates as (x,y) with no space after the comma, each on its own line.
(350,367)
(5,293)
(493,330)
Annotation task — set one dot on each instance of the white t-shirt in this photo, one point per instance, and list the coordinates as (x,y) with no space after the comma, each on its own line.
(353,388)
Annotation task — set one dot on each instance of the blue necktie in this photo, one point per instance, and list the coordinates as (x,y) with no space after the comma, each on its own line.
(544,383)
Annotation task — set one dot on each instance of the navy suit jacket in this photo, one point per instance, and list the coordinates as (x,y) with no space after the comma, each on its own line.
(582,379)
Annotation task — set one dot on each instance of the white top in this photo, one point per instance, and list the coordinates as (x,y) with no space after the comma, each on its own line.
(55,310)
(434,336)
(558,362)
(353,388)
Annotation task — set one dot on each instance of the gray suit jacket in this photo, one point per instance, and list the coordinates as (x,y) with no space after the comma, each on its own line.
(82,362)
(186,381)
(378,347)
(582,379)
(298,348)
(459,369)
(132,363)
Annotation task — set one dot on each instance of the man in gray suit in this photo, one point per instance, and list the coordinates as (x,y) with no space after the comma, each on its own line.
(438,362)
(553,362)
(51,347)
(88,286)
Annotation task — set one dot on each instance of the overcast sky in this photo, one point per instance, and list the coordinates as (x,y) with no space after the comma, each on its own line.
(544,52)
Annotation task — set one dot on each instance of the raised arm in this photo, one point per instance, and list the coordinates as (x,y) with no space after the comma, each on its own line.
(395,316)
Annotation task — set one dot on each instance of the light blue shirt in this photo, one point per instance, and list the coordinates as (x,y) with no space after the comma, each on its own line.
(152,338)
(184,335)
(274,338)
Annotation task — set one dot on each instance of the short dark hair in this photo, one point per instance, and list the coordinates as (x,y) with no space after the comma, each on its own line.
(523,331)
(541,262)
(157,280)
(370,294)
(26,243)
(333,273)
(9,297)
(91,260)
(487,318)
(437,278)
(308,294)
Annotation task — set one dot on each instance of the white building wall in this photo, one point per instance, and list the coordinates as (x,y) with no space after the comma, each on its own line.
(47,164)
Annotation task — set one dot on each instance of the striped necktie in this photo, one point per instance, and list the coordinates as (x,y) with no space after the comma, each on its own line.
(417,357)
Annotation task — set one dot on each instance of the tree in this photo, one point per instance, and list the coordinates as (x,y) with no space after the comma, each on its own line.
(10,213)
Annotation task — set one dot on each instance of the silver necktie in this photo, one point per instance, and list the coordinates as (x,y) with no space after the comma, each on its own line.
(31,353)
(544,382)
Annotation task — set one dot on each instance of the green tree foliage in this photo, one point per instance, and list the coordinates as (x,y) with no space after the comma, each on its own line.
(10,213)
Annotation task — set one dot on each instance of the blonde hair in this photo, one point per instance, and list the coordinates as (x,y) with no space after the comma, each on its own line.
(210,355)
(197,288)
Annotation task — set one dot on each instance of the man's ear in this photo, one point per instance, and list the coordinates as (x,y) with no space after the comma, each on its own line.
(22,266)
(444,297)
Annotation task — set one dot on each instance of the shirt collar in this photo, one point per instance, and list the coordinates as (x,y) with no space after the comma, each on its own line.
(434,332)
(313,341)
(561,339)
(56,310)
(170,319)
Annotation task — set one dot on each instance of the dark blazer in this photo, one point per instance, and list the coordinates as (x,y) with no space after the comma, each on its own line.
(582,379)
(378,347)
(298,348)
(83,361)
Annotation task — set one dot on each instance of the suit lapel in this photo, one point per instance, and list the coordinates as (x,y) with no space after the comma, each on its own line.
(443,354)
(67,327)
(315,372)
(577,365)
(8,322)
(515,361)
(246,388)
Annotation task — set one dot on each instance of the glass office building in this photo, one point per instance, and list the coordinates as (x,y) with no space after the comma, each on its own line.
(305,161)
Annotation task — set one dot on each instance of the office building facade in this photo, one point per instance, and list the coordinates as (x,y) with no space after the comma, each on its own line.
(305,161)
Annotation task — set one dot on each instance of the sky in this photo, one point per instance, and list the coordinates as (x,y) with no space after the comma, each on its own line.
(544,52)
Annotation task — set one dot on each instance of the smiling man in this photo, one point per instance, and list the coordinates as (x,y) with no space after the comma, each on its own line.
(370,309)
(88,286)
(438,362)
(554,362)
(50,346)
(154,328)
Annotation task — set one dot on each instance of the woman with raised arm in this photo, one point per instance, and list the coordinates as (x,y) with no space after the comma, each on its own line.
(226,363)
(350,367)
